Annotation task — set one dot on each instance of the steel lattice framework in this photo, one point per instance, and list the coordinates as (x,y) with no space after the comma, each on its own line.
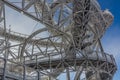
(72,47)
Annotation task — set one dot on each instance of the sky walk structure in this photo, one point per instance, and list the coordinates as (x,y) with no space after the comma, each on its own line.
(71,47)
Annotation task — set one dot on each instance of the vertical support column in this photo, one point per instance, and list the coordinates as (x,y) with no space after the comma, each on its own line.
(67,74)
(19,51)
(1,12)
(24,70)
(37,67)
(4,70)
(50,77)
(98,76)
(6,44)
(32,51)
(38,72)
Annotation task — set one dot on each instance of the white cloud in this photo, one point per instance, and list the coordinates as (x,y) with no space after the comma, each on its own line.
(19,22)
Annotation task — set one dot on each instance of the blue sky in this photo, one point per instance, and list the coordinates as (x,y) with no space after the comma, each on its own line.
(111,39)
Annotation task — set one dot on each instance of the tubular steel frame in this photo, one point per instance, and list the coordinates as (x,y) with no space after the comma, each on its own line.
(72,47)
